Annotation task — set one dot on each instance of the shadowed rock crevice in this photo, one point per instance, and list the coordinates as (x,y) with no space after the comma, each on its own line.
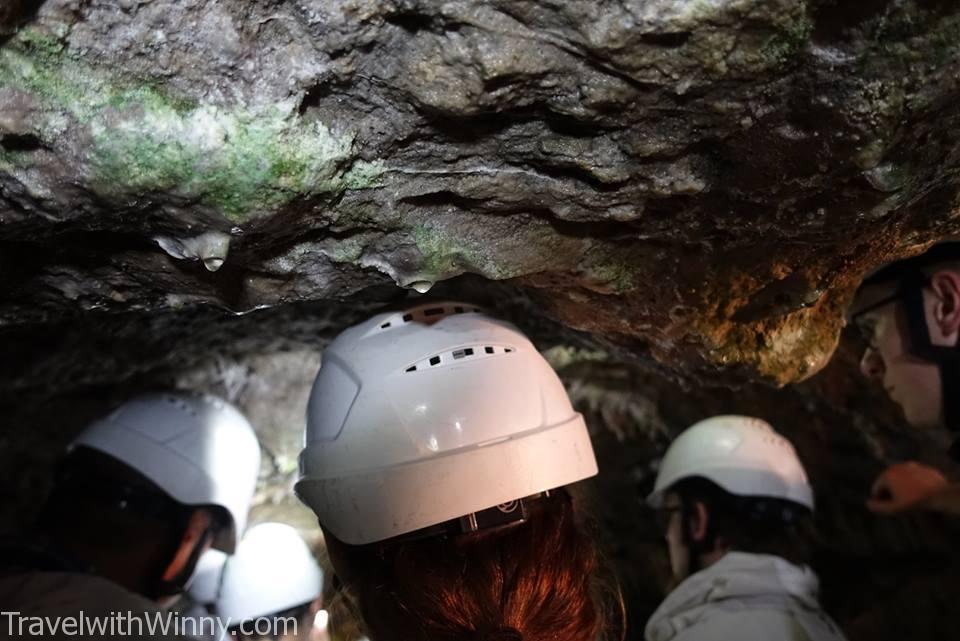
(675,199)
(344,145)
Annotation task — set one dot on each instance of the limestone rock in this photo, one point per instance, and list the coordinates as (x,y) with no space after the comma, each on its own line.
(699,182)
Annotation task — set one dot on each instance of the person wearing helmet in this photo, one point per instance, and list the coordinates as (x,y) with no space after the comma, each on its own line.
(139,496)
(437,448)
(908,313)
(733,497)
(271,588)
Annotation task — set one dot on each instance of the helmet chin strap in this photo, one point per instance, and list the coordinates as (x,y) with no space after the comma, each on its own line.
(950,385)
(175,586)
(946,358)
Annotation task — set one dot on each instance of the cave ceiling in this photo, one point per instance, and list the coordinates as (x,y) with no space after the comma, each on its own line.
(699,185)
(675,199)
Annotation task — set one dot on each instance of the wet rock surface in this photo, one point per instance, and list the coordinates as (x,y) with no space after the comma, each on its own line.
(701,182)
(673,198)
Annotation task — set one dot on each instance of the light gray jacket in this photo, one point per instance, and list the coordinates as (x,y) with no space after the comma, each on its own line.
(744,597)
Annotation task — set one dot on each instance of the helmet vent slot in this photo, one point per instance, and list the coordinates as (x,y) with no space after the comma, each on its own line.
(426,314)
(181,405)
(459,354)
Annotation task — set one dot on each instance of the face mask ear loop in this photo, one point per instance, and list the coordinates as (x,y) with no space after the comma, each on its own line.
(950,393)
(946,358)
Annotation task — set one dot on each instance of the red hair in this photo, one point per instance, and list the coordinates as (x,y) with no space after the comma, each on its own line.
(535,581)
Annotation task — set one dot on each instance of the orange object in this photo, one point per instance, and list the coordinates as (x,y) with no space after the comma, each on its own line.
(905,486)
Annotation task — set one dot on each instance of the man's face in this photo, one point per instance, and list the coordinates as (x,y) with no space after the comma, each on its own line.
(912,383)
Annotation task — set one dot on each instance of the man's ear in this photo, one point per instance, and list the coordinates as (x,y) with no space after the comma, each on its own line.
(946,308)
(698,522)
(197,530)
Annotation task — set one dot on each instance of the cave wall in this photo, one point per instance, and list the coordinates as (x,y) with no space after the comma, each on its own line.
(675,199)
(882,578)
(701,182)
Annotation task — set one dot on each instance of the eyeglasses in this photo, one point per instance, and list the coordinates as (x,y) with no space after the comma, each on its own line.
(866,330)
(664,515)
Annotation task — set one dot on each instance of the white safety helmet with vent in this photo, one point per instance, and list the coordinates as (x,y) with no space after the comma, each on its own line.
(422,416)
(197,448)
(741,454)
(272,571)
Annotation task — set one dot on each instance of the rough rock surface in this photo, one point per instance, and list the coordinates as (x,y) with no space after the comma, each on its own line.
(699,181)
(884,579)
(202,192)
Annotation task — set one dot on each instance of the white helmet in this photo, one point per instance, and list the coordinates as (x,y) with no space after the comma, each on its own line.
(272,571)
(422,416)
(204,585)
(741,454)
(198,449)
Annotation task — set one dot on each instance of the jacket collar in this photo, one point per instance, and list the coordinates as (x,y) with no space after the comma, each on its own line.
(736,576)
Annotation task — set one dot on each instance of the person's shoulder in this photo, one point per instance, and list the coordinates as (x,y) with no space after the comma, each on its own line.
(744,625)
(68,590)
(82,606)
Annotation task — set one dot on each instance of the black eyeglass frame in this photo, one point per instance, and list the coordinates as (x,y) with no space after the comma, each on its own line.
(911,286)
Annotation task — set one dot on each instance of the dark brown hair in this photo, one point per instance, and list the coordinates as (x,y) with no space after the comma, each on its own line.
(757,525)
(88,503)
(535,581)
(108,514)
